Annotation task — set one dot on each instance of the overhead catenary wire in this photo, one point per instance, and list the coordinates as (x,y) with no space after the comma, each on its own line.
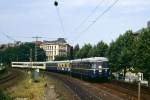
(92,12)
(96,19)
(9,37)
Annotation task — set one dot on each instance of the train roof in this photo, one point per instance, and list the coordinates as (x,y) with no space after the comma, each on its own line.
(92,59)
(29,62)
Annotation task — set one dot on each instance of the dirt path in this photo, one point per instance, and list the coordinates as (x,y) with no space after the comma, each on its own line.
(50,93)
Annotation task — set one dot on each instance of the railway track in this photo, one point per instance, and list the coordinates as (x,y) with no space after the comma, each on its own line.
(7,78)
(123,91)
(99,91)
(10,79)
(76,88)
(122,94)
(85,90)
(131,86)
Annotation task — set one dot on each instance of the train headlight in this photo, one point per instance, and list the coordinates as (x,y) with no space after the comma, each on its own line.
(100,69)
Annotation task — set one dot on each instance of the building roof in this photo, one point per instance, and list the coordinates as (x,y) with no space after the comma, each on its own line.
(59,40)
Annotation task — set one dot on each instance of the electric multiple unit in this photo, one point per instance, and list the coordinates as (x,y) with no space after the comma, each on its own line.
(87,67)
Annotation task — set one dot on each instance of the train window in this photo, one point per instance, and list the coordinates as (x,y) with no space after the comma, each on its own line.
(94,66)
(104,64)
(17,64)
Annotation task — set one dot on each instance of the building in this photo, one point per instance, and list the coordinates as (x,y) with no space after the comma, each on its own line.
(10,45)
(55,48)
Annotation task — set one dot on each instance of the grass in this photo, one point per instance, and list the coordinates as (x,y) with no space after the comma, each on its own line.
(27,89)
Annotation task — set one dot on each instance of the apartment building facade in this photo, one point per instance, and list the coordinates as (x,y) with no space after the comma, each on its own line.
(55,48)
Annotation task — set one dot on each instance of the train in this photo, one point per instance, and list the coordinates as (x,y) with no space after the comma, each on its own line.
(93,67)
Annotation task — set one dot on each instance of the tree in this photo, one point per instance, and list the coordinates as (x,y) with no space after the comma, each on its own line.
(143,51)
(70,54)
(92,52)
(101,49)
(75,51)
(22,53)
(83,52)
(121,52)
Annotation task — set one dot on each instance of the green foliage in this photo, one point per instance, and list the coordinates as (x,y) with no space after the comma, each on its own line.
(143,51)
(127,51)
(21,53)
(75,51)
(71,54)
(83,52)
(121,52)
(131,51)
(92,52)
(101,49)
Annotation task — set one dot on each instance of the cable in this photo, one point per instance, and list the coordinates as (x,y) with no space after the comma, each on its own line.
(93,11)
(9,37)
(97,18)
(105,11)
(60,18)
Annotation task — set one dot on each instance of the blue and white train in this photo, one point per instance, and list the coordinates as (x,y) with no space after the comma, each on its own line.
(88,67)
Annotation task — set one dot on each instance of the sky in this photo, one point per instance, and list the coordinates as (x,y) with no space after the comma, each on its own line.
(24,19)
